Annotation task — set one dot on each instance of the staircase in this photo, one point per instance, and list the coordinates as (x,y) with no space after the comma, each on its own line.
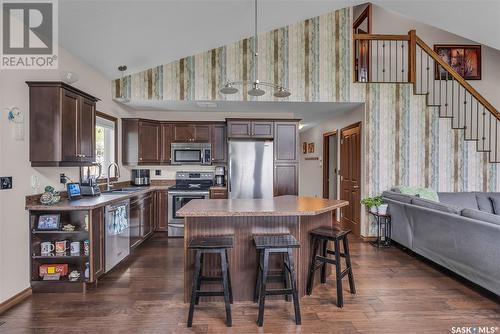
(407,59)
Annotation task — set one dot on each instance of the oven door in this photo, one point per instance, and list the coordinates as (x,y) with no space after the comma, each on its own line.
(177,200)
(184,156)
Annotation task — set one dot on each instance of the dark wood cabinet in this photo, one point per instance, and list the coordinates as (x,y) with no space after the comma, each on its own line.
(135,222)
(97,242)
(162,210)
(149,142)
(166,140)
(183,133)
(286,177)
(62,125)
(218,193)
(286,145)
(142,218)
(246,128)
(147,216)
(219,143)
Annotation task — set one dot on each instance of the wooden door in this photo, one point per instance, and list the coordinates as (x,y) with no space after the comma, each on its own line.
(219,143)
(135,222)
(161,209)
(286,178)
(149,142)
(350,176)
(183,133)
(87,130)
(97,242)
(285,142)
(166,140)
(70,120)
(239,129)
(263,129)
(202,133)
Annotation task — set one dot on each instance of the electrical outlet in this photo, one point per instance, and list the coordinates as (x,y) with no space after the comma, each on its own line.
(158,172)
(6,182)
(62,178)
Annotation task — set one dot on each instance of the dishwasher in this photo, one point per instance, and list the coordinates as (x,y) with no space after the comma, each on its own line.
(117,242)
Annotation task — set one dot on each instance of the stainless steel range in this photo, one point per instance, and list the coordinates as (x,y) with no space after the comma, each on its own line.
(188,186)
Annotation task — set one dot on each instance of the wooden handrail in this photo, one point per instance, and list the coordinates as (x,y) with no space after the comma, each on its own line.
(458,78)
(378,37)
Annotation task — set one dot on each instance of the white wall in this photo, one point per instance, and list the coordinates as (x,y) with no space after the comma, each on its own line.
(14,161)
(311,171)
(388,22)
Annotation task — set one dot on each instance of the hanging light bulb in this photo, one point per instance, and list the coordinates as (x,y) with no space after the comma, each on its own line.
(282,93)
(122,98)
(229,89)
(256,91)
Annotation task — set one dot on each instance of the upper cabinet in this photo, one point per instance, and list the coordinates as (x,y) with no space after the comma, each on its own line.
(166,139)
(286,146)
(62,125)
(246,128)
(188,132)
(219,143)
(141,142)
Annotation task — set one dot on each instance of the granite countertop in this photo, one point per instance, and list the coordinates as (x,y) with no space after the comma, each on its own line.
(88,203)
(277,206)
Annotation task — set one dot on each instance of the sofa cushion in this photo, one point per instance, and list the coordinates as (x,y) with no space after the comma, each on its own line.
(481,215)
(495,200)
(397,196)
(421,192)
(462,200)
(484,202)
(448,208)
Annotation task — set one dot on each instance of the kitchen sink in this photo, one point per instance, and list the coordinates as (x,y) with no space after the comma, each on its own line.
(123,190)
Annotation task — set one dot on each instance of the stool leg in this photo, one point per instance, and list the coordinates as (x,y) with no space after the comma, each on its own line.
(340,297)
(194,294)
(310,278)
(229,278)
(323,267)
(198,284)
(347,254)
(225,285)
(258,281)
(286,276)
(262,295)
(295,295)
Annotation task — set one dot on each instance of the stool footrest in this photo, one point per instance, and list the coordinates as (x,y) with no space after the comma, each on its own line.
(275,292)
(325,259)
(345,272)
(210,293)
(331,252)
(211,278)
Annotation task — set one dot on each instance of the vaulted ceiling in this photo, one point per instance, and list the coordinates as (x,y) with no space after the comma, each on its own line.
(143,34)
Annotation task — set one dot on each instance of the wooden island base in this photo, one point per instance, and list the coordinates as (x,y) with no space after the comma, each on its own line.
(235,217)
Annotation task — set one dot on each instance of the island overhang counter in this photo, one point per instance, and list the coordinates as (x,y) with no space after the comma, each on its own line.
(243,218)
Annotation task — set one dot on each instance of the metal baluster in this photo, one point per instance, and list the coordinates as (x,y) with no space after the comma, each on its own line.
(397,60)
(452,98)
(421,75)
(383,61)
(427,88)
(465,113)
(446,93)
(496,141)
(402,61)
(489,140)
(484,128)
(477,122)
(458,106)
(377,61)
(390,60)
(440,89)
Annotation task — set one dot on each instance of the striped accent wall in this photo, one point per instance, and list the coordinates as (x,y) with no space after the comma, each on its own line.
(406,142)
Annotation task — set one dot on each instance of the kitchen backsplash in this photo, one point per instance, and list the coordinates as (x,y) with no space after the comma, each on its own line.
(168,172)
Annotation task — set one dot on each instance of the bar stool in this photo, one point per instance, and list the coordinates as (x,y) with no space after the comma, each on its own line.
(206,245)
(277,244)
(323,235)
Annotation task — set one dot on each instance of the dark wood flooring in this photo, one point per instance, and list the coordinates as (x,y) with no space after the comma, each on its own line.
(397,293)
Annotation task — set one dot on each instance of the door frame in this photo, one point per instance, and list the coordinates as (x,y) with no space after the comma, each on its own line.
(326,162)
(366,14)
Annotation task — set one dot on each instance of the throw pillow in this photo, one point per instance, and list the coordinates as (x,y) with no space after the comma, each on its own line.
(496,204)
(421,192)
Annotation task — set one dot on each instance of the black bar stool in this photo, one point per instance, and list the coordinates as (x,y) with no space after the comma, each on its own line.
(323,235)
(202,246)
(281,244)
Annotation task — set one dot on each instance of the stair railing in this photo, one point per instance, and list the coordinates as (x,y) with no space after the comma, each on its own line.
(408,59)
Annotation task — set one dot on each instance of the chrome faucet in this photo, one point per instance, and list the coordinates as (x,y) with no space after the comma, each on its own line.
(117,169)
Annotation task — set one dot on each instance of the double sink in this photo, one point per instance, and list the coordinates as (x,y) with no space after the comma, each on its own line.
(128,190)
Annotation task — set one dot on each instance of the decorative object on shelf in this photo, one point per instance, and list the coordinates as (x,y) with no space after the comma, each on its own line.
(87,271)
(464,59)
(51,269)
(304,147)
(74,276)
(74,191)
(372,203)
(74,248)
(69,77)
(47,248)
(256,90)
(61,247)
(68,228)
(383,222)
(16,118)
(52,277)
(122,98)
(49,222)
(50,196)
(86,222)
(86,247)
(310,148)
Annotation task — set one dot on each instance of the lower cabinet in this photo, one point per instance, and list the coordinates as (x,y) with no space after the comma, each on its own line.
(218,193)
(161,211)
(141,218)
(286,178)
(97,241)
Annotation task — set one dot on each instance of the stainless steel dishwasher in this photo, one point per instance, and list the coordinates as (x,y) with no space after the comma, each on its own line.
(117,242)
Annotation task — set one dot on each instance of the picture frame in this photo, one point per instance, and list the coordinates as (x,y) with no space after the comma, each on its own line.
(310,148)
(304,147)
(49,222)
(464,59)
(73,190)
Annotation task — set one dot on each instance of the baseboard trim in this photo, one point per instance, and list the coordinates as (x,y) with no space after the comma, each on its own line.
(368,239)
(11,302)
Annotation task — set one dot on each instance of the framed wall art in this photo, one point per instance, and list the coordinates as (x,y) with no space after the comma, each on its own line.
(464,59)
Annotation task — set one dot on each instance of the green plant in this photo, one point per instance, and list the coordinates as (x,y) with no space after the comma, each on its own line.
(372,201)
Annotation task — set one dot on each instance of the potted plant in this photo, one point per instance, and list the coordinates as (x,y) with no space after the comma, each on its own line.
(375,204)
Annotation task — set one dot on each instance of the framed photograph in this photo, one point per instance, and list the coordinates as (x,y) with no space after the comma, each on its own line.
(49,222)
(310,148)
(464,59)
(304,147)
(74,191)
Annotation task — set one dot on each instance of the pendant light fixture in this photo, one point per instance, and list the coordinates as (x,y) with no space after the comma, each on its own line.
(256,85)
(122,98)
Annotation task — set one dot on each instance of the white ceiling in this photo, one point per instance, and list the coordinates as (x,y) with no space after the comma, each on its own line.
(143,34)
(311,113)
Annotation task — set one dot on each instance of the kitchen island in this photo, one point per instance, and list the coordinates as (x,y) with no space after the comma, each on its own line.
(243,218)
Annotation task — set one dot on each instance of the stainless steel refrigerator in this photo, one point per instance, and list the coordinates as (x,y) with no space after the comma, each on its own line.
(250,169)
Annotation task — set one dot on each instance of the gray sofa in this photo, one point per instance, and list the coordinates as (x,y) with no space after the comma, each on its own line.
(461,232)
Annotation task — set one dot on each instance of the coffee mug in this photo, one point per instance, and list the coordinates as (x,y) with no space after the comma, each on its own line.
(61,246)
(46,247)
(75,248)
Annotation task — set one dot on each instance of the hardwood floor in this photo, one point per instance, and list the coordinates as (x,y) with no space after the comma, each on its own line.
(396,293)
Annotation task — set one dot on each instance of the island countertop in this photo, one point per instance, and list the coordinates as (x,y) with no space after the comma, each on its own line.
(277,206)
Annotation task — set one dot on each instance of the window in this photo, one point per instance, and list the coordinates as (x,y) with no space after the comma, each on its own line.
(106,142)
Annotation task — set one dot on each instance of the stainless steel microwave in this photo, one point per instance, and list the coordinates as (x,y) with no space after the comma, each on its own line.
(191,154)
